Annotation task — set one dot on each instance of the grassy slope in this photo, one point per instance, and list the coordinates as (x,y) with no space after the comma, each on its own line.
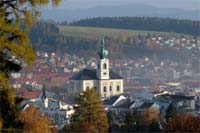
(99,32)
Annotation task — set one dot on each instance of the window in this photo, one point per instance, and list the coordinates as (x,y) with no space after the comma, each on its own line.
(87,88)
(104,73)
(110,88)
(104,66)
(98,66)
(104,89)
(118,88)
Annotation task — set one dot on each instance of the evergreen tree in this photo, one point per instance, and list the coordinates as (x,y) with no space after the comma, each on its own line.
(16,18)
(111,116)
(89,113)
(170,112)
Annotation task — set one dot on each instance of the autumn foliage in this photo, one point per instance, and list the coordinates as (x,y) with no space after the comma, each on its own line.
(149,115)
(34,121)
(183,123)
(16,17)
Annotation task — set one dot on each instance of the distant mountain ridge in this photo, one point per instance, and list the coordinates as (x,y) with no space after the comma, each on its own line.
(119,10)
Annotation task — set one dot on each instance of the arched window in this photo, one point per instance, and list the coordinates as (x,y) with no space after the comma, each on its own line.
(104,89)
(118,88)
(104,66)
(110,88)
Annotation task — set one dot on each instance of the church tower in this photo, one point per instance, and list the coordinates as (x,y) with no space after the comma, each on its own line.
(103,63)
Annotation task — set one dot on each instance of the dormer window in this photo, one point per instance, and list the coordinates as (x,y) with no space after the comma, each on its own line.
(104,66)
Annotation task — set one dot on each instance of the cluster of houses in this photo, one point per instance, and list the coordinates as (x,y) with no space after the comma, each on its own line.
(59,110)
(121,104)
(110,85)
(57,69)
(174,41)
(53,105)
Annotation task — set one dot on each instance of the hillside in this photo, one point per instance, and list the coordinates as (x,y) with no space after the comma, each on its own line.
(143,23)
(93,32)
(84,41)
(120,42)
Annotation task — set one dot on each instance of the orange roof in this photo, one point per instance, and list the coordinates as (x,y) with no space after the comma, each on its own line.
(28,95)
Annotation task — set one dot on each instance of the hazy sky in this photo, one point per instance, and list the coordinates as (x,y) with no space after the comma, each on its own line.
(181,4)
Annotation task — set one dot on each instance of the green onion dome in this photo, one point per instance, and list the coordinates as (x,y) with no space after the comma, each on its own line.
(103,53)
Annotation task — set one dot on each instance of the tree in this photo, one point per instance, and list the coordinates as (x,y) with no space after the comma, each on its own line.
(136,121)
(111,116)
(16,18)
(34,121)
(129,121)
(183,123)
(170,112)
(154,126)
(89,113)
(149,115)
(1,124)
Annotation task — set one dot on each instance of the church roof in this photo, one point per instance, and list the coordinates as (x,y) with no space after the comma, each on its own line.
(90,74)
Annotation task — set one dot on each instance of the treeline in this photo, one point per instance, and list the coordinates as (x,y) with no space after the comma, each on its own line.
(43,33)
(143,23)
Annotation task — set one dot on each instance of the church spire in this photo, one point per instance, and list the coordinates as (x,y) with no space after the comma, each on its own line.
(43,92)
(103,53)
(103,62)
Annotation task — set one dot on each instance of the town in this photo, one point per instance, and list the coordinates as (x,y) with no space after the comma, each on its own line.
(99,66)
(149,83)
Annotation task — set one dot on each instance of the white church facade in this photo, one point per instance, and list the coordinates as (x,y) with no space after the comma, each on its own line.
(103,79)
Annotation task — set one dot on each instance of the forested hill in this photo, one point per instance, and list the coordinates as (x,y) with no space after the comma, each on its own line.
(143,23)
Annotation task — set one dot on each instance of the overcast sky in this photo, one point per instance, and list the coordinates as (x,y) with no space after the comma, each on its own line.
(181,4)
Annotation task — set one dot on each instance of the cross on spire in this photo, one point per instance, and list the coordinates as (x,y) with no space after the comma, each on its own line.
(103,41)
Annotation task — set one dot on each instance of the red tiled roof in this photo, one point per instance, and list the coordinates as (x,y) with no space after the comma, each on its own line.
(191,83)
(28,95)
(133,85)
(61,63)
(21,80)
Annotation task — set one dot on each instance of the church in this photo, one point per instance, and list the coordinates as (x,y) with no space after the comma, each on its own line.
(103,79)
